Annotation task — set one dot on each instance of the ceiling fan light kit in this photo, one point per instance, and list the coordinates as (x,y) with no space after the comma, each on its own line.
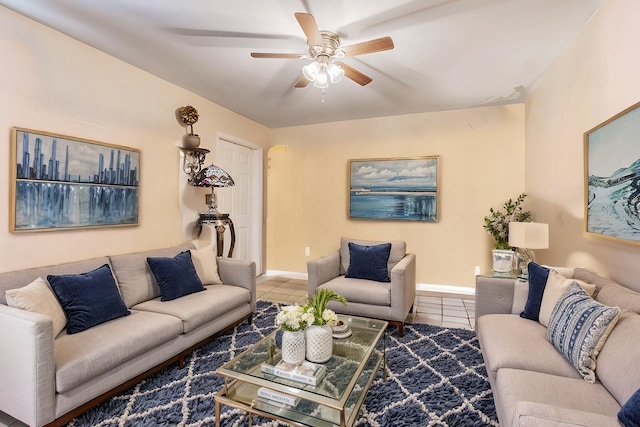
(324,49)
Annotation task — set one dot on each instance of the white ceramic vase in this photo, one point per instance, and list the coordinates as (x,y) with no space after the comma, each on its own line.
(293,348)
(319,343)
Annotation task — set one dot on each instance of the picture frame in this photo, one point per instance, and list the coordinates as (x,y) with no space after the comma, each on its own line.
(60,182)
(612,178)
(397,189)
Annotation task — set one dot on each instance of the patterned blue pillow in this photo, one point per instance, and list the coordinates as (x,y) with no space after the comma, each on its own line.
(88,299)
(369,262)
(629,414)
(578,328)
(176,277)
(538,276)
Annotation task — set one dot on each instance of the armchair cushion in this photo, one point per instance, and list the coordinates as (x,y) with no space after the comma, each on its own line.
(369,262)
(397,253)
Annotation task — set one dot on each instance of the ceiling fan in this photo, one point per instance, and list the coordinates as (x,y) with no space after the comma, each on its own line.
(325,51)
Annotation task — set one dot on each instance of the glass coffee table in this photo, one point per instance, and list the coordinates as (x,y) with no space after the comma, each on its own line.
(334,401)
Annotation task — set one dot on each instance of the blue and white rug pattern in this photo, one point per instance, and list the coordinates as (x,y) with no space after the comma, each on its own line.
(435,377)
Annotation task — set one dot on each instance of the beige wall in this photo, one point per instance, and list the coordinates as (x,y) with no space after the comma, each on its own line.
(594,80)
(481,165)
(52,83)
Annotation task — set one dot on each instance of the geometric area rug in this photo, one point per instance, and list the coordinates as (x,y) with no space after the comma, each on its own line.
(435,377)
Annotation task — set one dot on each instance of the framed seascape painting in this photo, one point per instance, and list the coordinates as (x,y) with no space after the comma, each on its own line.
(402,189)
(61,182)
(612,177)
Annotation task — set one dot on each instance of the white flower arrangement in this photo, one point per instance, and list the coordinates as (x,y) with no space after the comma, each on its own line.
(297,317)
(294,317)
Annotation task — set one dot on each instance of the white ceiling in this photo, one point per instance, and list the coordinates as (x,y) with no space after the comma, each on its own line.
(448,54)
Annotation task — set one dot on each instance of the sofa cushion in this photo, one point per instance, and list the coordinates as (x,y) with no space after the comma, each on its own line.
(578,328)
(20,278)
(629,414)
(398,251)
(134,277)
(617,366)
(537,281)
(88,299)
(509,341)
(204,260)
(80,357)
(534,414)
(361,290)
(516,385)
(369,262)
(176,277)
(196,309)
(38,298)
(553,291)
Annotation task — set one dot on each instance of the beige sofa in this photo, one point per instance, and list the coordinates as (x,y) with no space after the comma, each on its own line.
(391,301)
(534,384)
(50,379)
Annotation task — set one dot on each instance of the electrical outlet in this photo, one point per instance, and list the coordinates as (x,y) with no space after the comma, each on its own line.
(307,251)
(477,270)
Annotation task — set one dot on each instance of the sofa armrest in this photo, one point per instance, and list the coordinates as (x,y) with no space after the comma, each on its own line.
(241,273)
(28,366)
(533,414)
(322,270)
(403,286)
(494,295)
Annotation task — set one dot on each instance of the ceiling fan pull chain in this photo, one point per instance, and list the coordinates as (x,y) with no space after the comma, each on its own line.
(323,95)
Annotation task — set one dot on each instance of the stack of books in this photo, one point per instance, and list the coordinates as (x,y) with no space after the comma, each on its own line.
(276,398)
(307,372)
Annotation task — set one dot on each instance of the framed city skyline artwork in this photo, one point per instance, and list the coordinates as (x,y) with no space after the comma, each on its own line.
(612,177)
(401,189)
(61,182)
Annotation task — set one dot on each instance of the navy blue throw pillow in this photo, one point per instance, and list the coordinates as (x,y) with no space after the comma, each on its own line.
(88,299)
(538,276)
(629,414)
(176,277)
(369,262)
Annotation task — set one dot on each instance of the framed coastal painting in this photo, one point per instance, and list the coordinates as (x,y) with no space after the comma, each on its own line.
(399,189)
(60,182)
(612,177)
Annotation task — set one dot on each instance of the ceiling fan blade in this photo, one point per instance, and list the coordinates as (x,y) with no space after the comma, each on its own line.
(277,55)
(371,46)
(308,24)
(355,75)
(302,81)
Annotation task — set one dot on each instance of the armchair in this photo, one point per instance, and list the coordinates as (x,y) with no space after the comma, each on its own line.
(390,301)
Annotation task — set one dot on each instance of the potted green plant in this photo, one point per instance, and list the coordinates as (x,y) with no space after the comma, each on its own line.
(497,224)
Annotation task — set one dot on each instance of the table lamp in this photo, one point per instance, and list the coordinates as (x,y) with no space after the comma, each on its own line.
(525,236)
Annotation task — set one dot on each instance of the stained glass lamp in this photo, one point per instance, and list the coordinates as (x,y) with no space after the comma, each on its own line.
(212,176)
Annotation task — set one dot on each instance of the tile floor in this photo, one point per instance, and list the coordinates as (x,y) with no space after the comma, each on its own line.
(434,309)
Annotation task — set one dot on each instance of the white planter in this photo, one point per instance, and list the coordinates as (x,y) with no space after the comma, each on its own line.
(293,348)
(502,260)
(319,343)
(190,141)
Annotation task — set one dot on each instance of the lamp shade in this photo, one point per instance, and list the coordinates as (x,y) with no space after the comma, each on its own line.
(212,176)
(529,235)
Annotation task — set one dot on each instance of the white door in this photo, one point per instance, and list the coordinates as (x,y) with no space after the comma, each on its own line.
(243,201)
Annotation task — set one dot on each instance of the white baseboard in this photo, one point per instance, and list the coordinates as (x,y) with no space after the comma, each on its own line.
(290,274)
(445,289)
(424,287)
